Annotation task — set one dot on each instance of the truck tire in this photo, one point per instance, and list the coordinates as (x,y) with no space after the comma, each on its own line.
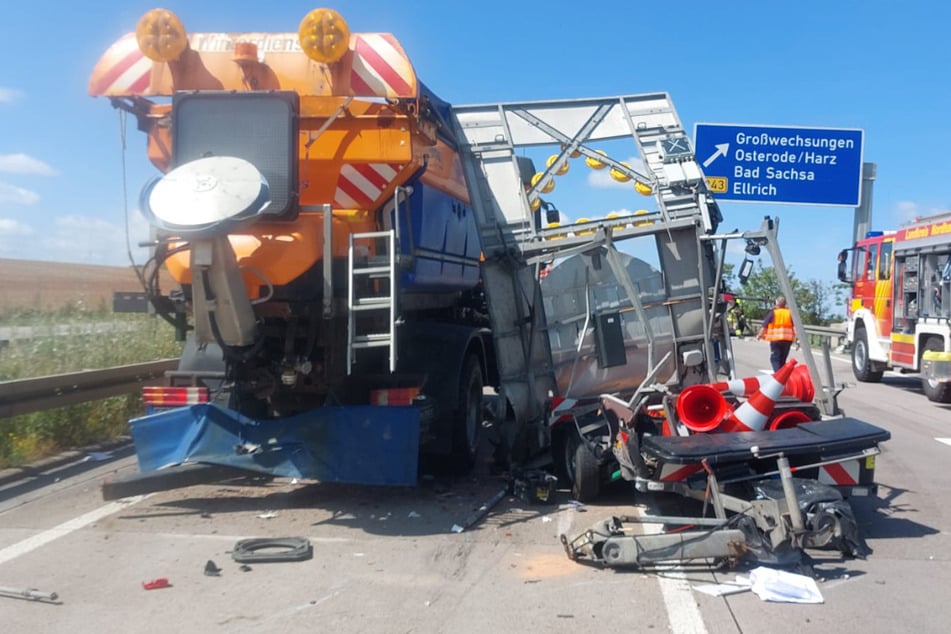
(862,367)
(936,391)
(584,470)
(467,418)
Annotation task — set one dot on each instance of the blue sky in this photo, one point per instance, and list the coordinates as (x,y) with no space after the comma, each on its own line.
(880,67)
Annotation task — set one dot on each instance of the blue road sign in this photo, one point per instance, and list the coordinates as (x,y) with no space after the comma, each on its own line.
(771,164)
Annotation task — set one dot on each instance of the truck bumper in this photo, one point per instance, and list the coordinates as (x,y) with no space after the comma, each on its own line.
(936,366)
(355,444)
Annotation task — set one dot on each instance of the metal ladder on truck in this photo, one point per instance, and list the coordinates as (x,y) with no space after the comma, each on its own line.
(372,290)
(513,242)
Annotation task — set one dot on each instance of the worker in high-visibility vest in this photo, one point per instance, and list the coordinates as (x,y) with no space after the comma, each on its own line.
(779,331)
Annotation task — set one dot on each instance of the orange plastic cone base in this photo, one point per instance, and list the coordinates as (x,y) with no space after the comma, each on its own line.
(799,386)
(788,420)
(701,408)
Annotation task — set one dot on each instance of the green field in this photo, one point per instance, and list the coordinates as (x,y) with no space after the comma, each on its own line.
(69,341)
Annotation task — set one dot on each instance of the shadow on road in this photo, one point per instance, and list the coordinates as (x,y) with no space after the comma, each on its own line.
(885,517)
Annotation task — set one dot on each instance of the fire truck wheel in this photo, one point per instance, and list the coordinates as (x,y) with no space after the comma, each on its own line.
(467,419)
(936,391)
(862,366)
(584,470)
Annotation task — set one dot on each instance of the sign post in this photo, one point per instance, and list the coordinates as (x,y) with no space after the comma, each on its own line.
(772,164)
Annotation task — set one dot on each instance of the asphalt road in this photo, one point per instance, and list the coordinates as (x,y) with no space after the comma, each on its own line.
(386,560)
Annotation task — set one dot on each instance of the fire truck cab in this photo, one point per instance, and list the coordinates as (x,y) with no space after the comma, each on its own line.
(899,309)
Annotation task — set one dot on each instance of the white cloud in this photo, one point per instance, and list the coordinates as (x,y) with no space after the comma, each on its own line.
(81,239)
(908,211)
(24,164)
(17,195)
(9,95)
(13,228)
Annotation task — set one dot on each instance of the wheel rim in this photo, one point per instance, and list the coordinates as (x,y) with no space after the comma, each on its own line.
(473,415)
(861,355)
(570,449)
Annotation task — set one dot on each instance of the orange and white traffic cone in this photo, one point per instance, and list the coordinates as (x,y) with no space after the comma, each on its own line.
(799,386)
(753,414)
(701,408)
(789,419)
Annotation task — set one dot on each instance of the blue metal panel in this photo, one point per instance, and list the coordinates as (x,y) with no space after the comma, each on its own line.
(355,444)
(443,240)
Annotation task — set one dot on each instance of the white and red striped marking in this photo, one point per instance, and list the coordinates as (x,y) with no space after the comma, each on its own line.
(676,473)
(359,185)
(126,71)
(380,69)
(840,474)
(163,396)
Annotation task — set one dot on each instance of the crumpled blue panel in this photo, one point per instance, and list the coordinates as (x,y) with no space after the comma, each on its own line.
(360,444)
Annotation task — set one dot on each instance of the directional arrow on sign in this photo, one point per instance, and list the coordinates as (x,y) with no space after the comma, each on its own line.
(722,149)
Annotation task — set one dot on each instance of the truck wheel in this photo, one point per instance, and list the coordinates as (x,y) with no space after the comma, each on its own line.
(936,391)
(467,419)
(862,366)
(583,470)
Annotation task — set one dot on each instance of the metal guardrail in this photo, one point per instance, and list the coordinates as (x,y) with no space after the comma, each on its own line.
(25,396)
(836,335)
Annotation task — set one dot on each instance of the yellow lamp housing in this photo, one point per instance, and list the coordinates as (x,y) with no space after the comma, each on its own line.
(583,232)
(324,36)
(642,212)
(575,154)
(594,163)
(561,171)
(548,187)
(643,188)
(161,35)
(618,175)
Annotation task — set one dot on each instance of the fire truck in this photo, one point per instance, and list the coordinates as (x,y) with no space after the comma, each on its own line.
(900,303)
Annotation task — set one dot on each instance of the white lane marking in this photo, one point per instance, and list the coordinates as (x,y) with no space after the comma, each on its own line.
(32,543)
(946,441)
(683,613)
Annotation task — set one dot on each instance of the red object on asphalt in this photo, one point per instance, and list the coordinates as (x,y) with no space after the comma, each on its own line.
(155,584)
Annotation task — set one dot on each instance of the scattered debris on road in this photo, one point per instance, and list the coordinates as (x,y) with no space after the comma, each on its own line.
(156,584)
(31,594)
(278,549)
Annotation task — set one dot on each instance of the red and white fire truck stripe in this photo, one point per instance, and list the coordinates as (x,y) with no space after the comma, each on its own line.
(840,474)
(128,72)
(360,184)
(380,69)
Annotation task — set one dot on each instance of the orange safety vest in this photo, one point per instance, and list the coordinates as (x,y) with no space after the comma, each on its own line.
(781,328)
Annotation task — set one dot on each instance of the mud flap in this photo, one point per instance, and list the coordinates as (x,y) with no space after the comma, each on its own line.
(356,444)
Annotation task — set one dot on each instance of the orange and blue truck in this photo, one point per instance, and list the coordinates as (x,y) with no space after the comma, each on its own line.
(367,277)
(899,306)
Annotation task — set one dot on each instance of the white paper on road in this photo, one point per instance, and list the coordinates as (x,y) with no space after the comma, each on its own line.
(782,586)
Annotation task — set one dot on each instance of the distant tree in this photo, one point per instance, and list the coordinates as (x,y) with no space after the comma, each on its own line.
(813,297)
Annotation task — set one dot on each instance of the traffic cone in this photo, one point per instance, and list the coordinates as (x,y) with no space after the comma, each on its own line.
(753,414)
(799,386)
(789,419)
(701,408)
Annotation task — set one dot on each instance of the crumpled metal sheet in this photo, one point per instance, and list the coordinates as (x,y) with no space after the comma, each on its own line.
(355,444)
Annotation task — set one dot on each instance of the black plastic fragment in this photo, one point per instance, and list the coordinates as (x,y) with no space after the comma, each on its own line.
(276,549)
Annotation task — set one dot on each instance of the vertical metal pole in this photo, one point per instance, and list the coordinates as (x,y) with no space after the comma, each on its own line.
(862,223)
(792,502)
(328,261)
(825,395)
